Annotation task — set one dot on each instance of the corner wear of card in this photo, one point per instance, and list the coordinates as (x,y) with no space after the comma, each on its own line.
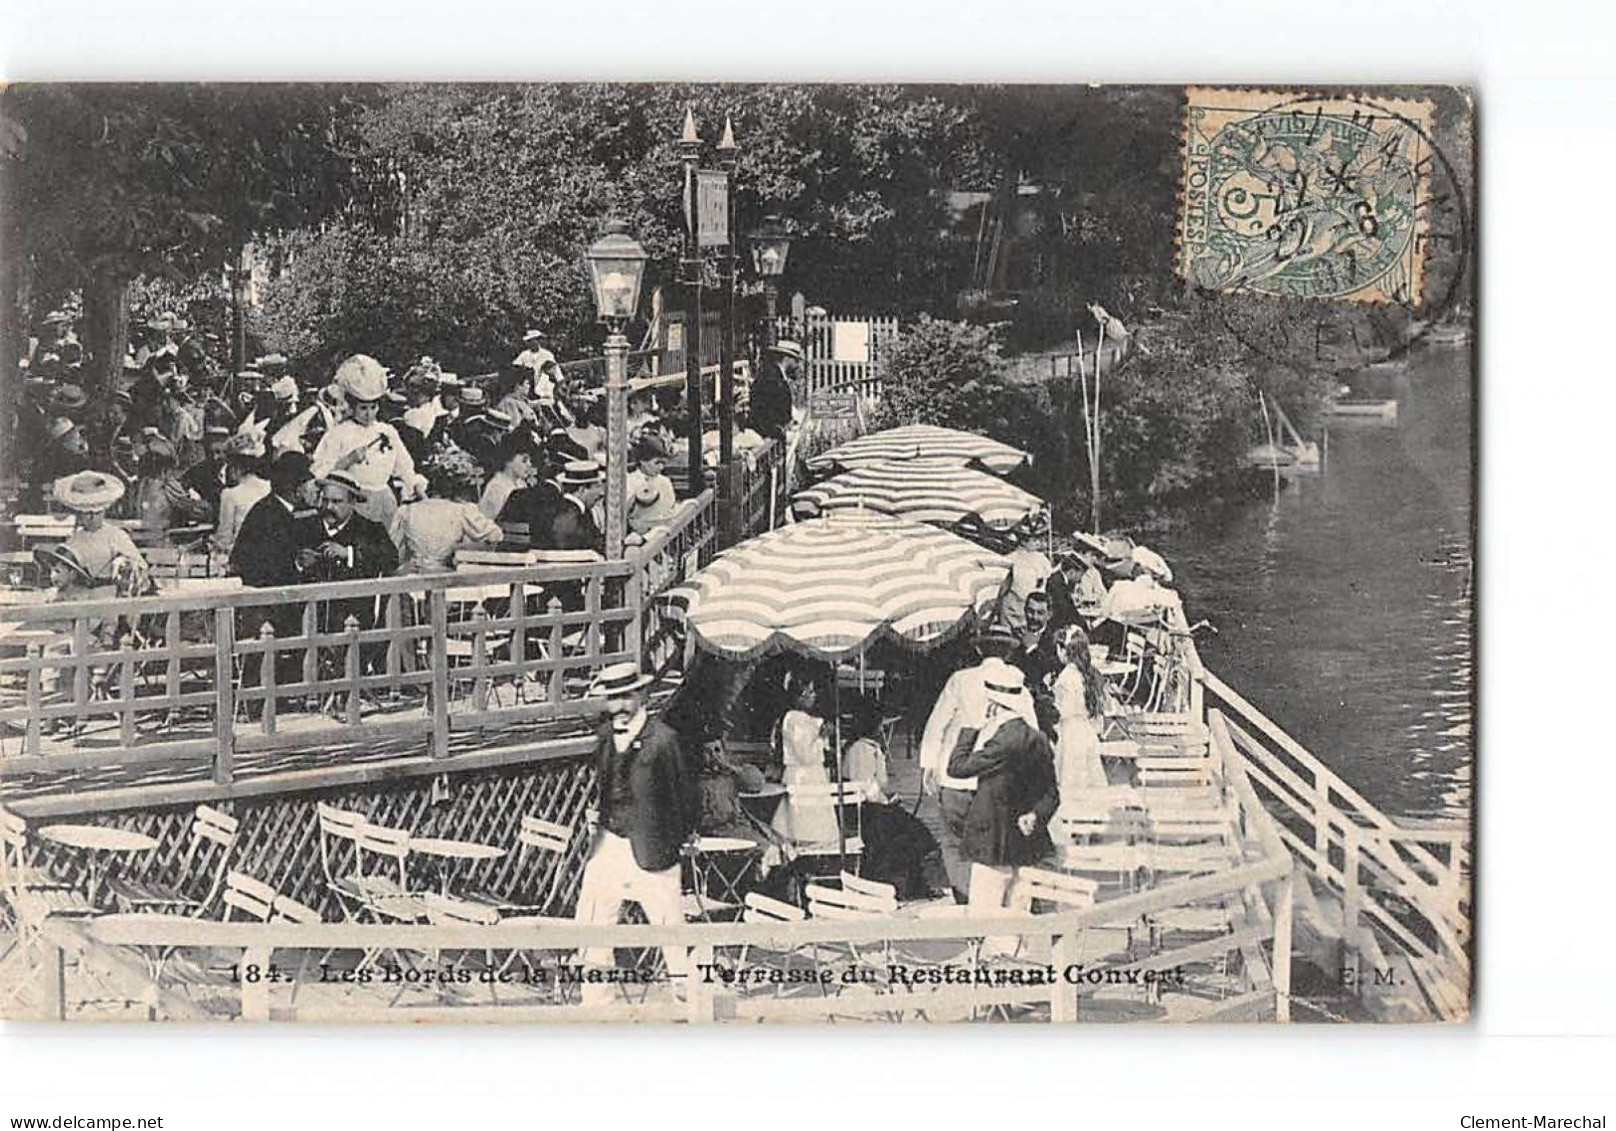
(1302,197)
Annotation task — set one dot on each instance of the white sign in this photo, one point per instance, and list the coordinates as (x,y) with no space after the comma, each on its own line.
(850,341)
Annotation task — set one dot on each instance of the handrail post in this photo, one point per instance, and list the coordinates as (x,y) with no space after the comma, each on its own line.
(1063,996)
(53,980)
(255,993)
(126,692)
(699,999)
(1351,905)
(437,599)
(352,668)
(634,598)
(224,689)
(34,695)
(1284,917)
(268,674)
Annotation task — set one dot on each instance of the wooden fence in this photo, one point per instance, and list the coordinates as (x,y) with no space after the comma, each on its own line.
(1398,896)
(228,684)
(842,353)
(882,968)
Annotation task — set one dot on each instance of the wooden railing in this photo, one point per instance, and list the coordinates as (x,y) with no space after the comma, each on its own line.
(765,490)
(1402,890)
(204,680)
(1085,949)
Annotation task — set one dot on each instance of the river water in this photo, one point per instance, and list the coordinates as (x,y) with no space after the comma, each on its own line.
(1344,608)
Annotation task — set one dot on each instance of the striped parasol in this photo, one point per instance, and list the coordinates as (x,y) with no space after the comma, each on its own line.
(930,489)
(922,441)
(829,587)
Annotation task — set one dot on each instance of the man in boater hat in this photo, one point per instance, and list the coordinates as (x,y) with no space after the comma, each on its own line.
(769,401)
(365,447)
(963,706)
(649,807)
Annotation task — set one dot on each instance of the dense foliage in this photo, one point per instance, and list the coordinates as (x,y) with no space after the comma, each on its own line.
(500,190)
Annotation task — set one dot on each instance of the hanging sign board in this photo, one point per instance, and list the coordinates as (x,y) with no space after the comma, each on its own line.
(712,208)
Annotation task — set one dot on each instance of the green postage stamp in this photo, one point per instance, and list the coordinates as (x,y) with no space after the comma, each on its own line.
(1304,197)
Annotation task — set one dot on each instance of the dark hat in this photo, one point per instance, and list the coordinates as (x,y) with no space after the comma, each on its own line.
(159,448)
(49,557)
(344,480)
(651,446)
(513,445)
(290,469)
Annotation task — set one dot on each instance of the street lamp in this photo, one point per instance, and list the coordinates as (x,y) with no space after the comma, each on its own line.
(689,146)
(616,269)
(728,157)
(771,244)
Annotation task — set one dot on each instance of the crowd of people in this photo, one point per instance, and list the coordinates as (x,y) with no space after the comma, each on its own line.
(371,473)
(1011,735)
(514,457)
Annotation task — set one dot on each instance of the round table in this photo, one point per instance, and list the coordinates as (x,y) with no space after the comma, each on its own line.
(448,851)
(97,840)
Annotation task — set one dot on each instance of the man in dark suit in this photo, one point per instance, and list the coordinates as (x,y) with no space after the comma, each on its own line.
(1007,827)
(1035,656)
(572,526)
(534,506)
(206,476)
(274,548)
(649,807)
(352,548)
(769,401)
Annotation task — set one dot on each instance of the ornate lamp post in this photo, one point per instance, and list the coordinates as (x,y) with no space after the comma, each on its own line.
(616,268)
(690,155)
(728,155)
(771,244)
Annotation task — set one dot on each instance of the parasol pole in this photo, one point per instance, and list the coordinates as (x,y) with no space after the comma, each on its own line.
(1099,350)
(836,761)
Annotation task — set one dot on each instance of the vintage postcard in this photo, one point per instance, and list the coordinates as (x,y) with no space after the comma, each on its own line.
(693,553)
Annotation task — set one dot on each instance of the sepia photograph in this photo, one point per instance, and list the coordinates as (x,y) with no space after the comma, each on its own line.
(696,552)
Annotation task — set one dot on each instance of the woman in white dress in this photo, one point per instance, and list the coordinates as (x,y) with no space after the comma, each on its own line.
(803,744)
(1080,701)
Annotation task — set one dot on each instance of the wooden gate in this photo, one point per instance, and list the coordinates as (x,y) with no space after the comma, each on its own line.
(843,352)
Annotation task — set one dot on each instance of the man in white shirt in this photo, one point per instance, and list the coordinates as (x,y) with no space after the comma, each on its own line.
(363,446)
(537,357)
(962,708)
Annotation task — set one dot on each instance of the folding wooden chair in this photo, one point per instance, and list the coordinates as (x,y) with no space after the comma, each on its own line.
(536,835)
(837,799)
(387,890)
(449,914)
(213,834)
(854,900)
(339,826)
(760,908)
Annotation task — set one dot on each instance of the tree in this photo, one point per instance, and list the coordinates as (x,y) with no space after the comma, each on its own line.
(107,182)
(502,188)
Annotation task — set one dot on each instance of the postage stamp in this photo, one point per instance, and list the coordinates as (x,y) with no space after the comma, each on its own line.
(1304,197)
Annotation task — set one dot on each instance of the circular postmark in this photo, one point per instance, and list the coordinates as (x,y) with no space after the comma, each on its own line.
(1291,184)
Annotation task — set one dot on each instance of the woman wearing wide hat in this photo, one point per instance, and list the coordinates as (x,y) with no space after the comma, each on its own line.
(96,544)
